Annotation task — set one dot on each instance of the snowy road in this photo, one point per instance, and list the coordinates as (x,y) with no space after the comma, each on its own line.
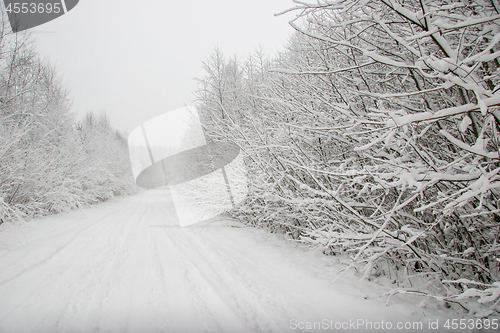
(123,266)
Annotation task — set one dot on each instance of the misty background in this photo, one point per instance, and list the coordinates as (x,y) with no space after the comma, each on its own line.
(136,60)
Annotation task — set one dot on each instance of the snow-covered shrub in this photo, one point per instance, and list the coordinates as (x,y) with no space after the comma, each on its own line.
(376,133)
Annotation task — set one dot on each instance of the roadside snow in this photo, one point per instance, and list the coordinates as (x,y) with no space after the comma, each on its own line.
(122,266)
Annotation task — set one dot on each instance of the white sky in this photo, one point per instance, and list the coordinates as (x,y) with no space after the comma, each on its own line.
(138,59)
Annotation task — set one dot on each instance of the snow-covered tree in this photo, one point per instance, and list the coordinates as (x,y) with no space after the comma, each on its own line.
(46,165)
(381,125)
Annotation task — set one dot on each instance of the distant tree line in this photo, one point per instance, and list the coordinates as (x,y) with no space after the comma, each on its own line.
(49,162)
(376,134)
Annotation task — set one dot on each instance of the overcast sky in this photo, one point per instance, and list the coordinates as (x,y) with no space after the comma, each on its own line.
(138,59)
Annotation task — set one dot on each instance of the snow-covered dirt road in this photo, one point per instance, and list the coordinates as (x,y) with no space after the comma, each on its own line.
(123,266)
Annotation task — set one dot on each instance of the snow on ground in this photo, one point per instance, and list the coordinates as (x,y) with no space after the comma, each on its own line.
(123,266)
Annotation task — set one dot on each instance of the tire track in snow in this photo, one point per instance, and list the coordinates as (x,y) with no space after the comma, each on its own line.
(53,255)
(214,283)
(110,281)
(161,293)
(255,300)
(56,273)
(213,311)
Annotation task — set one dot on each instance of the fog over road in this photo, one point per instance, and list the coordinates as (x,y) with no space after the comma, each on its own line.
(124,266)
